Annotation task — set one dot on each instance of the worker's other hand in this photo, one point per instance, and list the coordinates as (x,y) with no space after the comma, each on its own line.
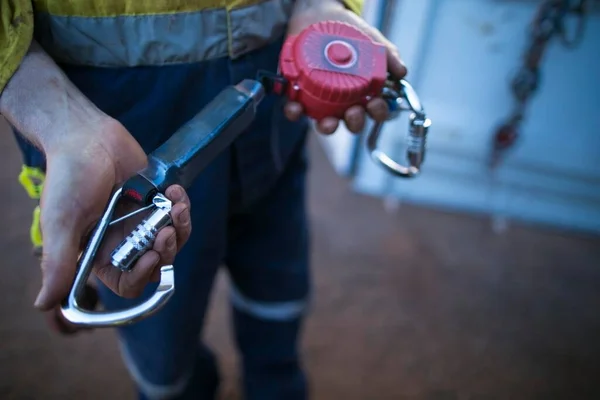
(81,175)
(334,10)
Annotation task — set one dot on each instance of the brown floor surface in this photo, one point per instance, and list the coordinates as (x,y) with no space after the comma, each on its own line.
(416,305)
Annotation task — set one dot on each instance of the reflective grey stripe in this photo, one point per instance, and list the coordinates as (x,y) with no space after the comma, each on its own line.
(159,39)
(254,26)
(280,311)
(152,390)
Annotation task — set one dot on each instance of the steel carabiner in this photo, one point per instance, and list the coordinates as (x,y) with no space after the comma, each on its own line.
(396,94)
(77,315)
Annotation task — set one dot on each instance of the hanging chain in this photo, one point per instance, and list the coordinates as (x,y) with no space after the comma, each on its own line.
(549,23)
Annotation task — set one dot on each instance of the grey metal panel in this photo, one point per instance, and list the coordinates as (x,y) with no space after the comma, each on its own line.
(461,54)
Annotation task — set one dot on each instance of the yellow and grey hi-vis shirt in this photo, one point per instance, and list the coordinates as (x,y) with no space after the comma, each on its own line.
(122,33)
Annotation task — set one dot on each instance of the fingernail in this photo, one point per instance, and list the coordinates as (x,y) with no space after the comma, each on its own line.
(176,194)
(184,217)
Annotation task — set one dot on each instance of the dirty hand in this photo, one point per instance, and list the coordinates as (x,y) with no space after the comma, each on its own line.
(81,175)
(308,13)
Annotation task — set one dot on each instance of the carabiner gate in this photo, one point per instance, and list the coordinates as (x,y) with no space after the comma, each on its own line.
(396,94)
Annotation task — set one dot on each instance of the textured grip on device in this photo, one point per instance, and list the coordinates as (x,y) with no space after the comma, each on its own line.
(332,66)
(140,240)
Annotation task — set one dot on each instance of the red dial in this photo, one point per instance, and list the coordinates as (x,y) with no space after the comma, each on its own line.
(332,66)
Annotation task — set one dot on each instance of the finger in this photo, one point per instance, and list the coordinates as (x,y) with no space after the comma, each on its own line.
(66,215)
(354,119)
(328,125)
(182,224)
(378,109)
(293,111)
(177,194)
(180,213)
(396,66)
(155,275)
(57,324)
(131,284)
(166,245)
(62,237)
(59,259)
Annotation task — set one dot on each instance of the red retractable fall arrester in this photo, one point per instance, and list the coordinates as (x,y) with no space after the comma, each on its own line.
(328,68)
(332,66)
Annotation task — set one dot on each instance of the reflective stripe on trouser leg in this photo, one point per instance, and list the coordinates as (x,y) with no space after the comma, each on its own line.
(272,311)
(151,390)
(267,335)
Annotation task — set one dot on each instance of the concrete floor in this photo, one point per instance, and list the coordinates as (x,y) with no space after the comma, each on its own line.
(416,305)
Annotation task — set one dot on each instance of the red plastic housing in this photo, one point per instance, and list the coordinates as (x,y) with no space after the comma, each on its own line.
(332,66)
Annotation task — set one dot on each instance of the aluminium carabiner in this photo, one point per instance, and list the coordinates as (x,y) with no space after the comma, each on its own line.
(396,94)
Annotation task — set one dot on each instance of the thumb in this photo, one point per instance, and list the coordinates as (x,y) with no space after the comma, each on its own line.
(395,65)
(59,260)
(61,223)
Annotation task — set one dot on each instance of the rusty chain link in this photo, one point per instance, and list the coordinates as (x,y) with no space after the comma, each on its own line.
(548,23)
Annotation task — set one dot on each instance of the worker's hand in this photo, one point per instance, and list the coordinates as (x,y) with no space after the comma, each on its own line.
(334,10)
(81,175)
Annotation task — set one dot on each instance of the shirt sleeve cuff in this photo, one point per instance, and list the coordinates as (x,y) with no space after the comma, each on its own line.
(16,33)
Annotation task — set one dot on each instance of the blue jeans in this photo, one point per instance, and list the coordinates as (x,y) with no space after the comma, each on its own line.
(248,215)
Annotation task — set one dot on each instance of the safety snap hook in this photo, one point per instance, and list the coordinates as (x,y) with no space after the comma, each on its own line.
(396,95)
(77,315)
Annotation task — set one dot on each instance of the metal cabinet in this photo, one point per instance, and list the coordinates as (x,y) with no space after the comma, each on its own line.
(461,55)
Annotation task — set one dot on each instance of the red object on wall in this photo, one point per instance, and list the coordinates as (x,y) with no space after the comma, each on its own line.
(332,66)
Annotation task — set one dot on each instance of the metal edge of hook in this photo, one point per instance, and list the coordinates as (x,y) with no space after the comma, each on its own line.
(159,201)
(393,167)
(382,159)
(410,95)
